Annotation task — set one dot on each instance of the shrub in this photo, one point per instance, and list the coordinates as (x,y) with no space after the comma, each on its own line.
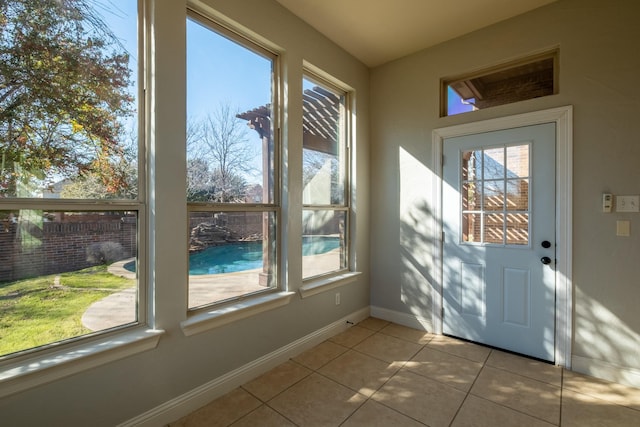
(104,252)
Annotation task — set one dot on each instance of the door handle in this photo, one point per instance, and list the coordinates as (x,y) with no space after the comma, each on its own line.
(545,260)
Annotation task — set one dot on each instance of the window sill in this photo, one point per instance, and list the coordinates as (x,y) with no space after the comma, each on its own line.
(41,369)
(323,284)
(219,316)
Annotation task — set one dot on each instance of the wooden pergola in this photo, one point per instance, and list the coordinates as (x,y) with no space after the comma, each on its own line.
(321,113)
(320,124)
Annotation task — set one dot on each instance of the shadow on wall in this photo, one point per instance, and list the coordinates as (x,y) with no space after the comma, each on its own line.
(606,338)
(417,284)
(416,287)
(416,255)
(416,237)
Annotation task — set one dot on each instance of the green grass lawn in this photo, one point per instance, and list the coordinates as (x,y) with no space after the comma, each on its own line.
(39,311)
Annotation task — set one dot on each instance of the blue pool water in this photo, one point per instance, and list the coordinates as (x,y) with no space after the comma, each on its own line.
(226,258)
(245,256)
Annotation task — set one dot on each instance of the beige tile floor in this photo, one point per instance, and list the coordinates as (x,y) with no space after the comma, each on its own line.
(382,374)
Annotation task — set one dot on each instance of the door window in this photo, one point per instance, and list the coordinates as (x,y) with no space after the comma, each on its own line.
(495,195)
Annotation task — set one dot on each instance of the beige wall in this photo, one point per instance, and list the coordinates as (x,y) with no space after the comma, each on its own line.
(599,64)
(115,392)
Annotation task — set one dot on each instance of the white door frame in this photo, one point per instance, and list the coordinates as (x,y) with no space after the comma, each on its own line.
(563,118)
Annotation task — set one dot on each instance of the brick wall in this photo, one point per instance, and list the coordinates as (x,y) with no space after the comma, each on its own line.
(59,244)
(517,88)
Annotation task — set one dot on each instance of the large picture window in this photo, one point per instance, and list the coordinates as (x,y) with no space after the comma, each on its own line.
(325,216)
(71,201)
(232,165)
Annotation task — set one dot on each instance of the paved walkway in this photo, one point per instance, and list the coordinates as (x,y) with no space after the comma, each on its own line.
(120,308)
(116,309)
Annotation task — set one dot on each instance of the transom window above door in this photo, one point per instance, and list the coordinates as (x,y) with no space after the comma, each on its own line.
(520,80)
(495,193)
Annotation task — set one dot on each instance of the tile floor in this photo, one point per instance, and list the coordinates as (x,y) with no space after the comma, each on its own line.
(382,374)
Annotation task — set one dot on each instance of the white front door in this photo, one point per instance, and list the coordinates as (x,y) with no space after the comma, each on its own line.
(499,239)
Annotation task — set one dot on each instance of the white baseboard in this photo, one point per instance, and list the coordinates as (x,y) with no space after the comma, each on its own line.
(409,320)
(188,402)
(606,371)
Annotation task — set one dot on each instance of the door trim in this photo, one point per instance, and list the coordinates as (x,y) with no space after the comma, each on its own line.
(563,118)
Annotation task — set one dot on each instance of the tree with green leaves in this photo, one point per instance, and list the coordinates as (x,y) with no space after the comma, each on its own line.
(64,88)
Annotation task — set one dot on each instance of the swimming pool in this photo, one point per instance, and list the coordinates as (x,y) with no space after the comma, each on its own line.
(244,256)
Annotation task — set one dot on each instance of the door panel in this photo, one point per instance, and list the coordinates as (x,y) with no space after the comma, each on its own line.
(472,300)
(498,206)
(516,297)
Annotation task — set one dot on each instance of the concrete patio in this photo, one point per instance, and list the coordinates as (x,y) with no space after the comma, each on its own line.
(120,308)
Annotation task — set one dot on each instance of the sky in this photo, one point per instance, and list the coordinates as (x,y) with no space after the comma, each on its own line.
(455,104)
(219,71)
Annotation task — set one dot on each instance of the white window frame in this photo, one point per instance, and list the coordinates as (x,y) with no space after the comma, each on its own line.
(321,283)
(41,365)
(219,313)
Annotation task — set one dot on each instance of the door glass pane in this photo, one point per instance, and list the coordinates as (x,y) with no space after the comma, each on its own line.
(503,186)
(517,194)
(518,161)
(470,197)
(471,165)
(494,163)
(518,229)
(471,227)
(494,228)
(493,195)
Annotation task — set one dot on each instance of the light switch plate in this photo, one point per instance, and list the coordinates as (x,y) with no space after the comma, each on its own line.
(623,229)
(627,203)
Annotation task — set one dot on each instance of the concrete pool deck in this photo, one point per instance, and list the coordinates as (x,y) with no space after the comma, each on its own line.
(120,308)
